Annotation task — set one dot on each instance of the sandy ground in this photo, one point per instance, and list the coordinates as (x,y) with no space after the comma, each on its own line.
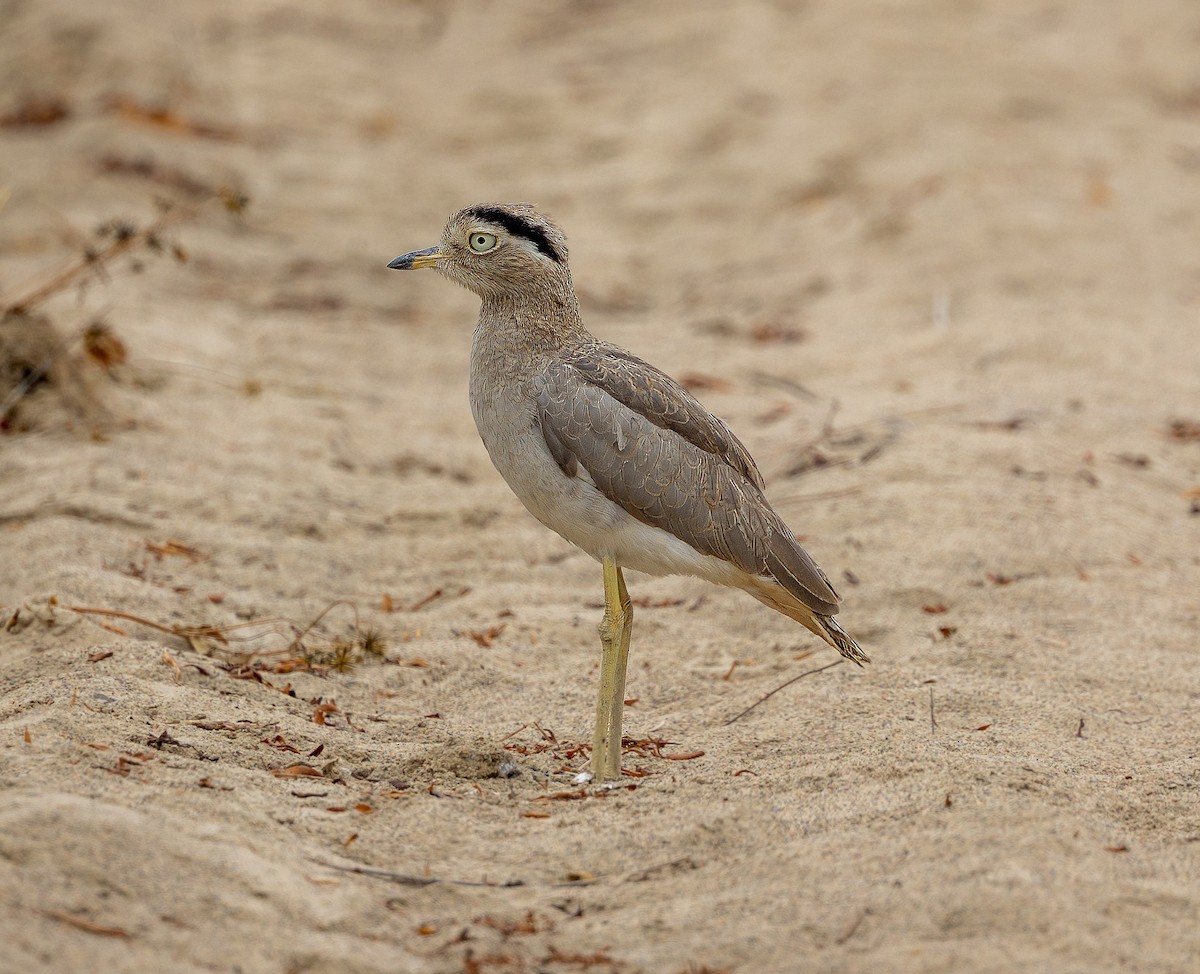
(971,226)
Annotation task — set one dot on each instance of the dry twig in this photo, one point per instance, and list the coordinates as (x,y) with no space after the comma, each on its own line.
(767,696)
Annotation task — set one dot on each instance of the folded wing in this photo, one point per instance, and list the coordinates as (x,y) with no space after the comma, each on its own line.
(651,448)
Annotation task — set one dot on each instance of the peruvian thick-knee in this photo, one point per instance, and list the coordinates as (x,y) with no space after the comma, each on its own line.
(609,451)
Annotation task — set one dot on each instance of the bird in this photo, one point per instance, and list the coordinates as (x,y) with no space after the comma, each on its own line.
(610,452)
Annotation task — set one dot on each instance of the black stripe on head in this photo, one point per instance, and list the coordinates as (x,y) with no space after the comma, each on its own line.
(518,227)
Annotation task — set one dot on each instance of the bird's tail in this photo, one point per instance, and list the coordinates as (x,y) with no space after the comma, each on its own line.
(841,640)
(818,624)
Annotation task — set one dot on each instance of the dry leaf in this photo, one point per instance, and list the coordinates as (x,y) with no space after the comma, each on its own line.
(103,346)
(777,332)
(170,661)
(36,110)
(486,637)
(421,603)
(1184,430)
(175,549)
(167,118)
(280,742)
(297,771)
(82,924)
(698,381)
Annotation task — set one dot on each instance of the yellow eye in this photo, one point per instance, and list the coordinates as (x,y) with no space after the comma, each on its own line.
(482,242)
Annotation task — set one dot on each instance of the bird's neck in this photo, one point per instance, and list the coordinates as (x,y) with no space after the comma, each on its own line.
(535,320)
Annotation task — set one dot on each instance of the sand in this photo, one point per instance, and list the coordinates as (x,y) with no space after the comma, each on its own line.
(934,262)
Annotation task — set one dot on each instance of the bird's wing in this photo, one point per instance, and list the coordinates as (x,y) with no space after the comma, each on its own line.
(662,477)
(654,395)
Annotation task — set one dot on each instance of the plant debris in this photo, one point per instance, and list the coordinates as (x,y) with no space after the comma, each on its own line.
(43,381)
(36,111)
(487,637)
(249,664)
(769,694)
(42,386)
(162,116)
(570,753)
(88,926)
(1184,431)
(699,382)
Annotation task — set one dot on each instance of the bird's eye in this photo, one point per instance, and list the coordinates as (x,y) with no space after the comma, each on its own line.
(481,243)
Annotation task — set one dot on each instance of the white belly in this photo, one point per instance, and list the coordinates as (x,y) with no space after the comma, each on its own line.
(575,508)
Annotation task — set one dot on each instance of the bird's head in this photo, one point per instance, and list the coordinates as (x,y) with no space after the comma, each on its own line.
(498,250)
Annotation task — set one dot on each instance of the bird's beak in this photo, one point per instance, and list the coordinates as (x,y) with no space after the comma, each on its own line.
(418,258)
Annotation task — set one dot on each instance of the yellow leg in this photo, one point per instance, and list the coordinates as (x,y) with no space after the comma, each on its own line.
(615,629)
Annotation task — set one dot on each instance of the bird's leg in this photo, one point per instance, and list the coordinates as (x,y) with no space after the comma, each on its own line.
(615,629)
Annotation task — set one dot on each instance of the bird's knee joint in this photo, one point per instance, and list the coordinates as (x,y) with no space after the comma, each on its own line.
(614,622)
